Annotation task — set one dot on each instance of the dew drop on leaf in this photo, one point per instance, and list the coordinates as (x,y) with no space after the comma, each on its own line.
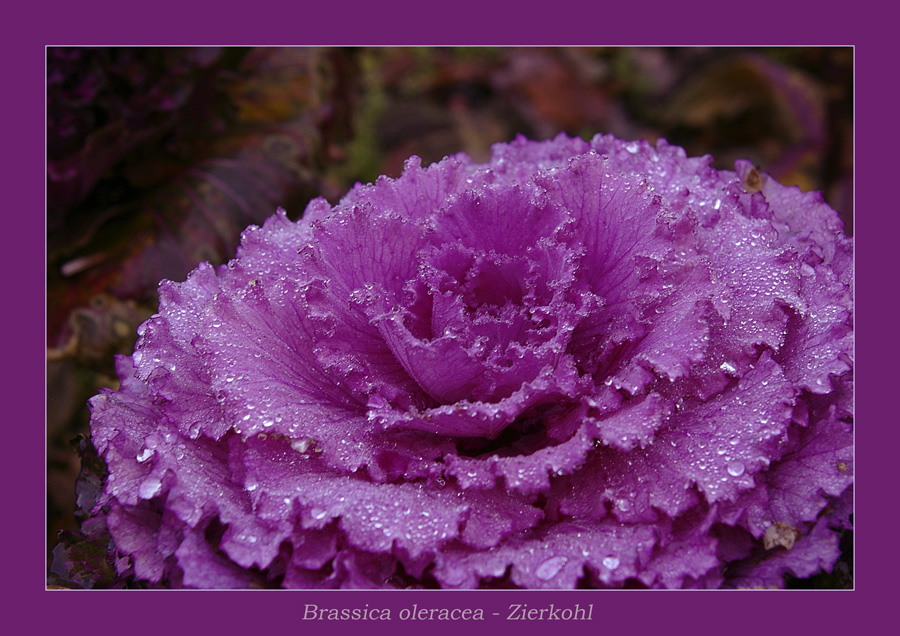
(550,568)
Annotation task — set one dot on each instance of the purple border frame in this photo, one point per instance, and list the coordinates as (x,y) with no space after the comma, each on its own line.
(573,22)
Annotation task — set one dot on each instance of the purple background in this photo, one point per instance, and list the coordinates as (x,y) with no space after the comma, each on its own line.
(733,613)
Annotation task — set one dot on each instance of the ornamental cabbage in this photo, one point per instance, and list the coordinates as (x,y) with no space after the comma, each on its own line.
(580,364)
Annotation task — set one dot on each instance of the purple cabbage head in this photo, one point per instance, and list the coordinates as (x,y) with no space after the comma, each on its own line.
(594,364)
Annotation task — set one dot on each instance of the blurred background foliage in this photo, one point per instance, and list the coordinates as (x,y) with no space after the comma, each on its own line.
(157,158)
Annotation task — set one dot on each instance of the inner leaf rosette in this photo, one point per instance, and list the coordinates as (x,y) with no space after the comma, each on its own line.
(578,364)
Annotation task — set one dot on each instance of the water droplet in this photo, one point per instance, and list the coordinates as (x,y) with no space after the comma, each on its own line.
(550,568)
(145,454)
(318,513)
(735,469)
(611,562)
